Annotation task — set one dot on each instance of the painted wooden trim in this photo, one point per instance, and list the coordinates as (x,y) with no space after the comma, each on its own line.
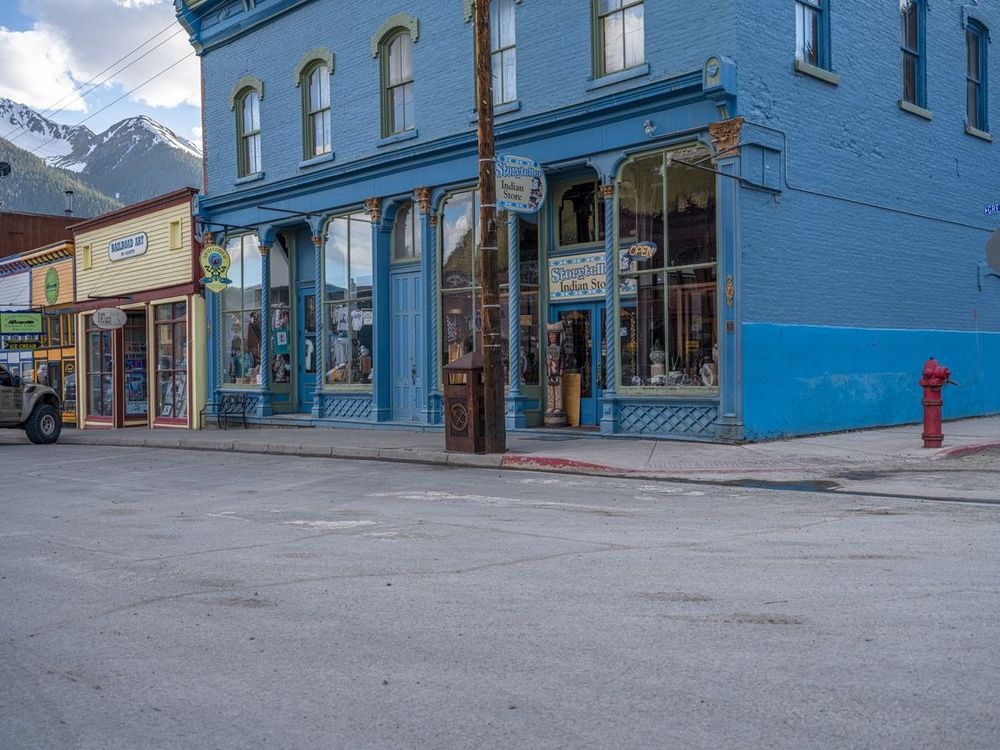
(241,85)
(389,25)
(317,55)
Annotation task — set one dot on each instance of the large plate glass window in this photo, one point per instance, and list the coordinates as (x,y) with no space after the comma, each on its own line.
(347,301)
(667,275)
(241,310)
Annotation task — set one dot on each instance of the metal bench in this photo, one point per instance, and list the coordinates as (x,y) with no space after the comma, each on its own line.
(233,406)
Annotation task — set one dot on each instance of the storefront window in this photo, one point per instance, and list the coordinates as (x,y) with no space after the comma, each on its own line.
(100,371)
(136,377)
(241,305)
(460,297)
(406,244)
(170,333)
(668,266)
(281,315)
(581,215)
(347,300)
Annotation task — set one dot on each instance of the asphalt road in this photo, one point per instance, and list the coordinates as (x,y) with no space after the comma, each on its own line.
(171,599)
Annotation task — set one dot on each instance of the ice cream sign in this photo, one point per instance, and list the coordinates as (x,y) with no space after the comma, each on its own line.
(127,247)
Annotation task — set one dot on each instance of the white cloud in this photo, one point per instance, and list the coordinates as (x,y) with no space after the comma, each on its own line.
(196,135)
(75,40)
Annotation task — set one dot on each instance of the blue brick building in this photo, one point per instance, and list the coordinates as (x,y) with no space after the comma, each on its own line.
(761,217)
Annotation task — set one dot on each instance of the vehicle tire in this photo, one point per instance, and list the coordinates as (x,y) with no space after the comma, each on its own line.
(44,425)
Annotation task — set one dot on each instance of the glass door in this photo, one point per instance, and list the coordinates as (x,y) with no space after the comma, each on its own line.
(136,374)
(307,347)
(585,355)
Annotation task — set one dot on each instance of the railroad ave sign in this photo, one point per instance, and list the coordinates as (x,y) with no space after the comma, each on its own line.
(520,184)
(127,247)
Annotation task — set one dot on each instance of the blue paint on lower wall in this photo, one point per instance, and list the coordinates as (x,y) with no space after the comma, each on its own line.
(799,380)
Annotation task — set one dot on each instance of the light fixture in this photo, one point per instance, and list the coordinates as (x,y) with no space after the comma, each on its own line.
(649,128)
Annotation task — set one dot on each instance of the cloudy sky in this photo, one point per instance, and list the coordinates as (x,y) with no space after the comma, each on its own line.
(48,48)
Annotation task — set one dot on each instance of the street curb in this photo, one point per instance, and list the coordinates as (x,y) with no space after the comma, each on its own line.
(965,450)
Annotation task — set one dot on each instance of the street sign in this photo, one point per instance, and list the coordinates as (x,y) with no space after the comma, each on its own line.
(215,262)
(993,251)
(109,318)
(21,322)
(520,184)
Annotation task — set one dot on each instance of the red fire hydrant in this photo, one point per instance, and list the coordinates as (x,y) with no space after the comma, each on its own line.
(934,379)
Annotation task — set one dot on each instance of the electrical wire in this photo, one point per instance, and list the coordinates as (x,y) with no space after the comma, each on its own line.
(51,110)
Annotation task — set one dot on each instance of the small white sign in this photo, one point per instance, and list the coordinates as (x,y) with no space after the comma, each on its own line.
(520,184)
(109,318)
(127,247)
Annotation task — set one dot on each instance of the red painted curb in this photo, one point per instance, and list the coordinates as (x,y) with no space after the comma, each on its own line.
(557,464)
(966,450)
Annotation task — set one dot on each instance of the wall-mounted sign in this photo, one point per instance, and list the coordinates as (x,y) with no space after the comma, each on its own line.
(993,209)
(520,184)
(215,262)
(51,285)
(127,247)
(577,277)
(20,322)
(109,318)
(23,345)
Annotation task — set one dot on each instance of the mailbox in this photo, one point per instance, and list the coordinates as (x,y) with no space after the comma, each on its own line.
(464,415)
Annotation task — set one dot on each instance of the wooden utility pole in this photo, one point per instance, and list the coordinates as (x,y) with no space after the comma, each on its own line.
(496,435)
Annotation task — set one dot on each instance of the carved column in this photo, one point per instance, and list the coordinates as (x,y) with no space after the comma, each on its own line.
(381,376)
(609,409)
(320,328)
(264,378)
(515,416)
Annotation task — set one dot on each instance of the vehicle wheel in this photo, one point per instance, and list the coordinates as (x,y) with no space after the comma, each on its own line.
(44,425)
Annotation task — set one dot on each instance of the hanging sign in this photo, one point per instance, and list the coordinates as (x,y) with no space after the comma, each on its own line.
(109,318)
(520,184)
(127,247)
(215,262)
(52,285)
(20,322)
(577,277)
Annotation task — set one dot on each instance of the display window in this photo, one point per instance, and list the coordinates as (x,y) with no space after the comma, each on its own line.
(667,275)
(170,332)
(136,372)
(241,311)
(580,217)
(406,244)
(460,290)
(347,301)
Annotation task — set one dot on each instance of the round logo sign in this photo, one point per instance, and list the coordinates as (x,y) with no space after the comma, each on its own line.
(52,285)
(215,262)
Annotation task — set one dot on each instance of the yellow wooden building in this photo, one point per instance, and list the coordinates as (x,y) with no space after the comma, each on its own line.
(53,293)
(147,368)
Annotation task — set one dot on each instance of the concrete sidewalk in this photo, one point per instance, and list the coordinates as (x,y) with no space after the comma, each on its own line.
(562,451)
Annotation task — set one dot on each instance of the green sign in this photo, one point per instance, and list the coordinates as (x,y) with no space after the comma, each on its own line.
(52,285)
(20,322)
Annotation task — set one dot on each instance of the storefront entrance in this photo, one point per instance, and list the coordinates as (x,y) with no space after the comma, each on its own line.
(306,327)
(585,326)
(407,338)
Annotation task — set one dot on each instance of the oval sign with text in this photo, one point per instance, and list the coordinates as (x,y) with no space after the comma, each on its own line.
(109,318)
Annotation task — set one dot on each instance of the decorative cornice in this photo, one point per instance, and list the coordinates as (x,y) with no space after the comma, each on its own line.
(136,209)
(726,135)
(317,54)
(373,207)
(423,197)
(244,83)
(398,21)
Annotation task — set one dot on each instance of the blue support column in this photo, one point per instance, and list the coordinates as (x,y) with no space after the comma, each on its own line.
(320,327)
(213,351)
(515,417)
(609,410)
(433,401)
(264,410)
(381,374)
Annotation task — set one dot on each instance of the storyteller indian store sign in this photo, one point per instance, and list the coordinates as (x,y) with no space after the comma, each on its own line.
(576,277)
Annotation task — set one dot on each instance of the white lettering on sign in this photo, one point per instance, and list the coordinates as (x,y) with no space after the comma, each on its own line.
(577,277)
(127,247)
(993,210)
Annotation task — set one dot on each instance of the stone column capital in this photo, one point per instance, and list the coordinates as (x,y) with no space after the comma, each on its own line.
(373,207)
(423,197)
(726,135)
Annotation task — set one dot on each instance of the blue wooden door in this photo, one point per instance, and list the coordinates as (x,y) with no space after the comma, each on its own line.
(307,343)
(407,344)
(585,324)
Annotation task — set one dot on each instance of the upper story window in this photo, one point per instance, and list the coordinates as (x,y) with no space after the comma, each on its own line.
(248,132)
(406,244)
(619,35)
(811,24)
(397,83)
(503,47)
(976,38)
(911,42)
(316,105)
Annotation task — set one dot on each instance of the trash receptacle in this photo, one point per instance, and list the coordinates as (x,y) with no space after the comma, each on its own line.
(464,417)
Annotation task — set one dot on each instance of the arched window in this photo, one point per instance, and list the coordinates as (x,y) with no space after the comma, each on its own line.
(406,245)
(397,82)
(976,39)
(316,110)
(911,42)
(248,132)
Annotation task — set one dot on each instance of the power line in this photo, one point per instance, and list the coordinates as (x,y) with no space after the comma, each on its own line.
(50,110)
(112,103)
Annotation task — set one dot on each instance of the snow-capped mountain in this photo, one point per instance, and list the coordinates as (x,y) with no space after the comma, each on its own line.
(134,159)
